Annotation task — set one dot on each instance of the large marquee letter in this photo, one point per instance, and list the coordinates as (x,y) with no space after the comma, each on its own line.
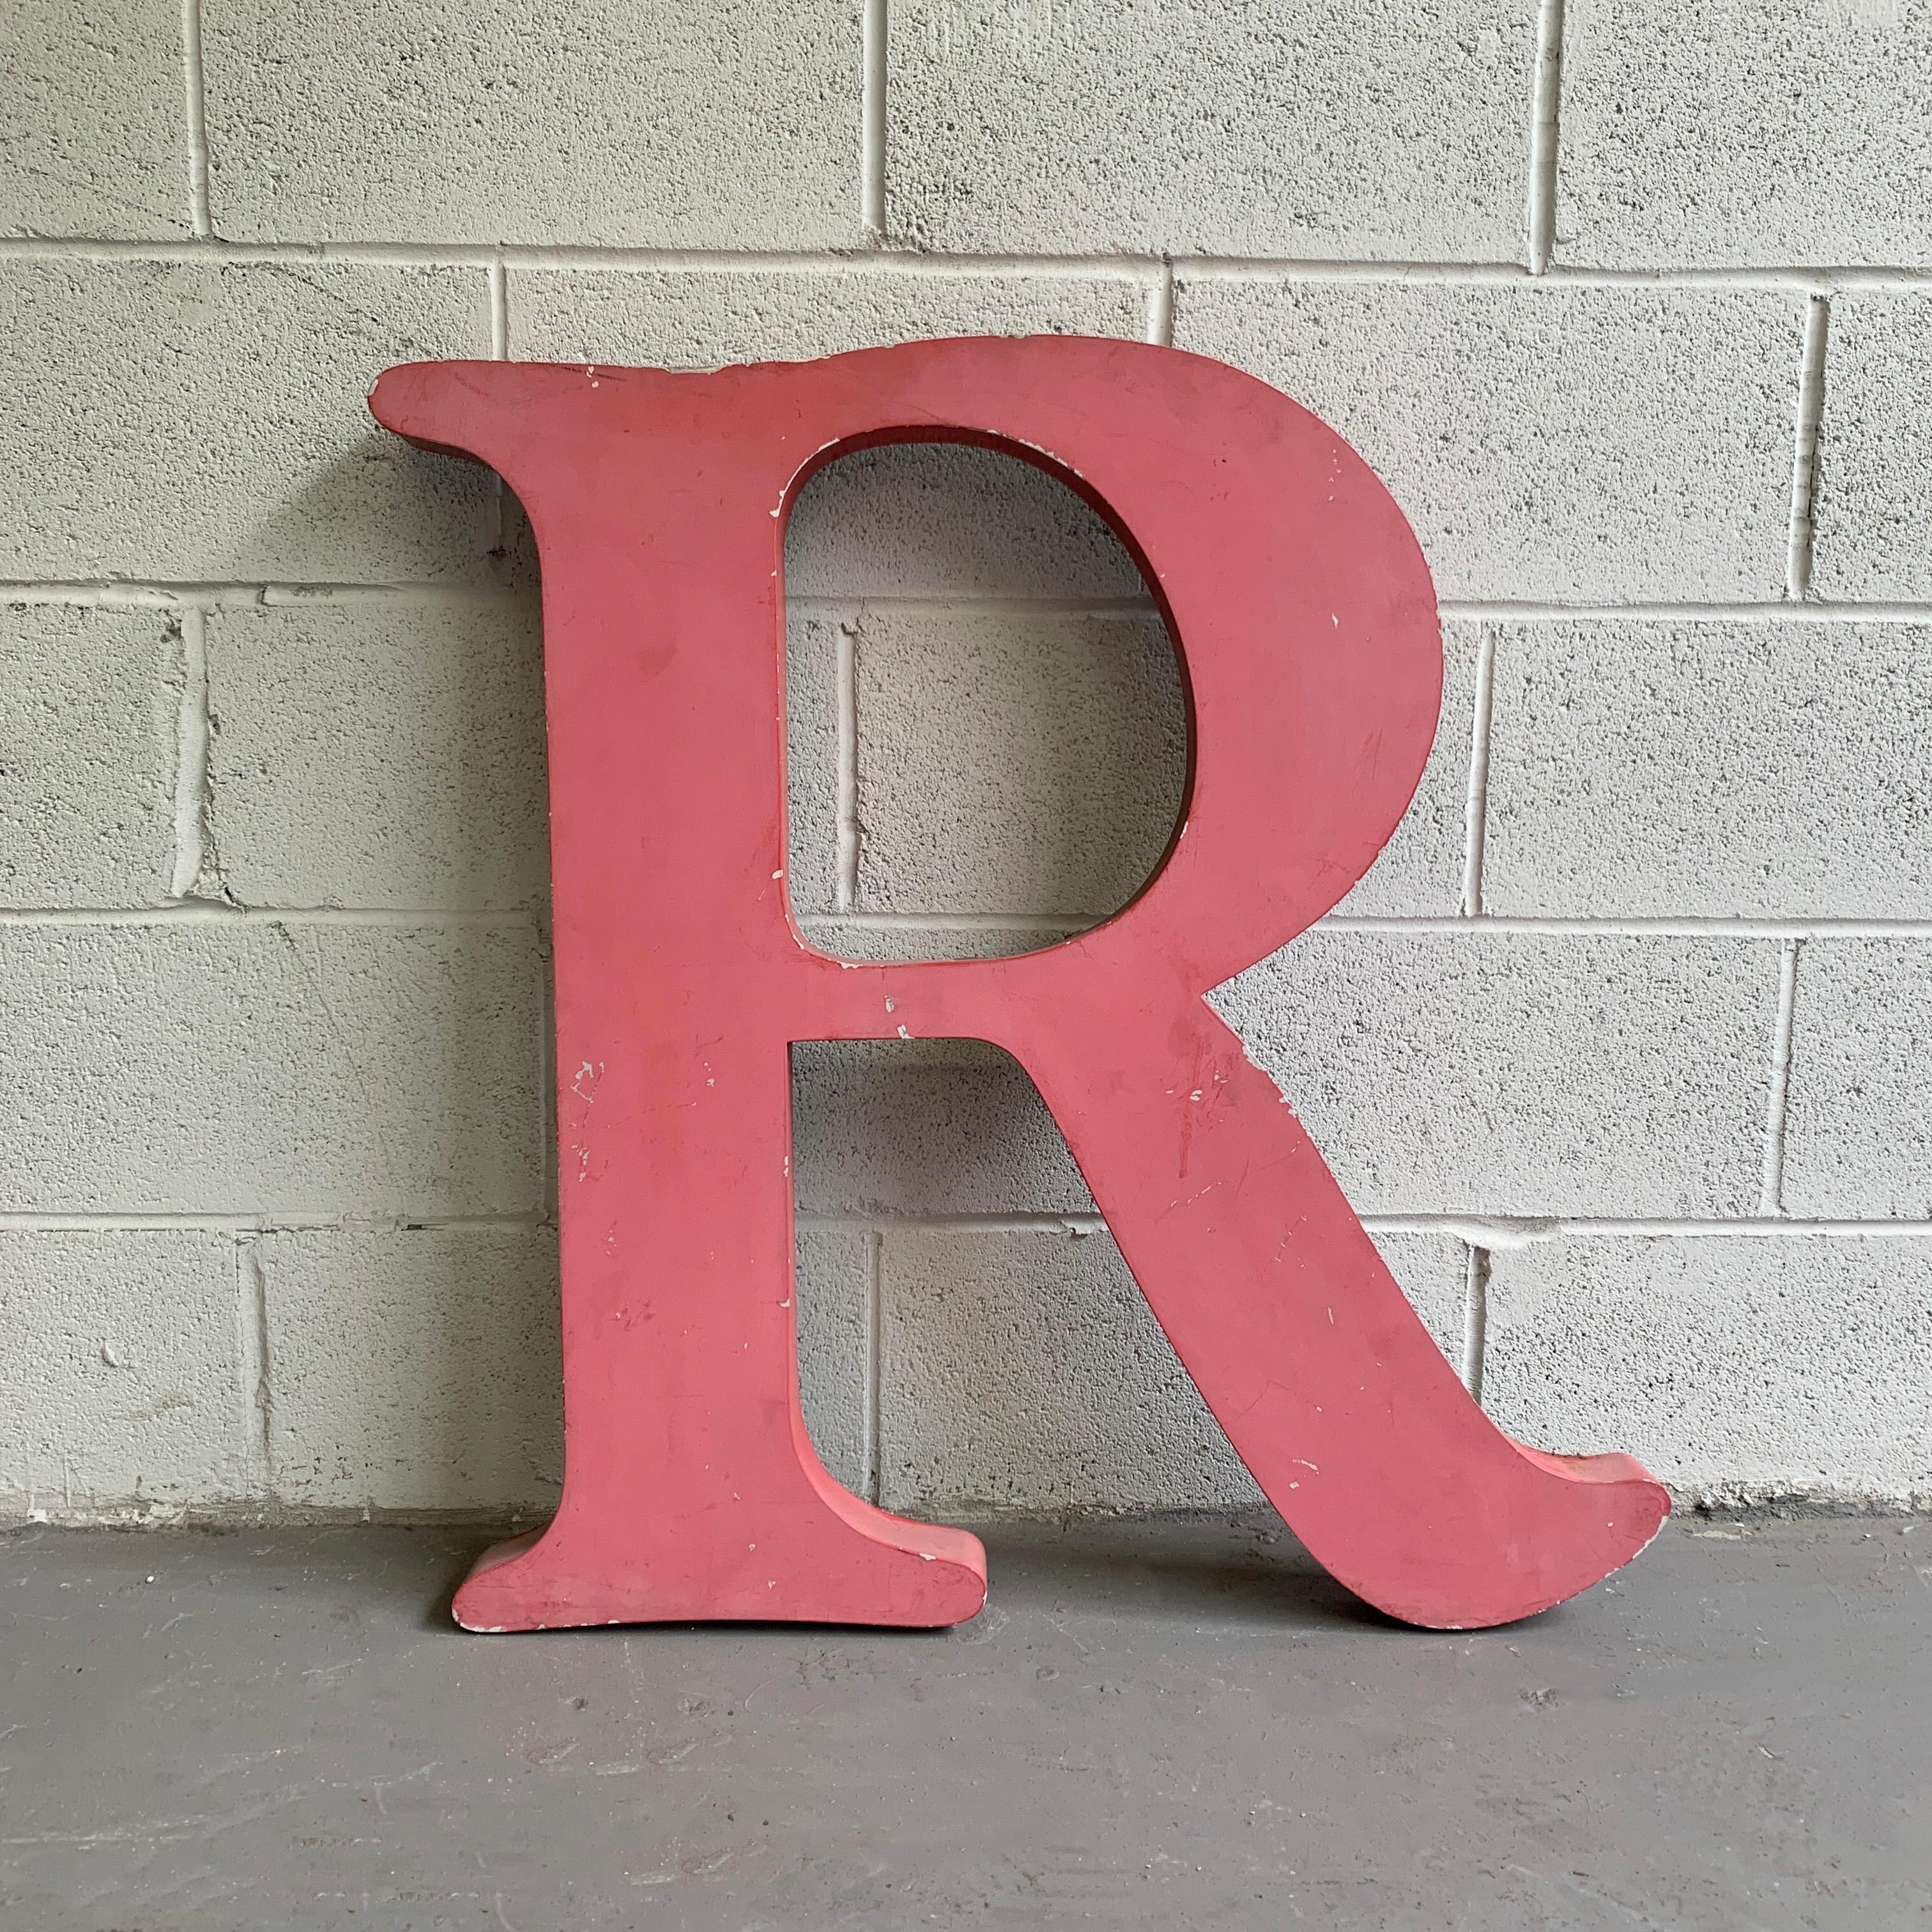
(1299,602)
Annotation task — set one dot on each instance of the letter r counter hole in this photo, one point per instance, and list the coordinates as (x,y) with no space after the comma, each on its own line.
(986,722)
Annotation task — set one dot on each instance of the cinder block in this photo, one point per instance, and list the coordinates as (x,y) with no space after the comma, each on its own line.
(1247,128)
(1710,768)
(713,318)
(1872,509)
(1035,748)
(734,126)
(812,727)
(365,755)
(207,421)
(835,1348)
(1020,762)
(1734,131)
(932,1127)
(1857,1132)
(120,1382)
(1014,763)
(413,1370)
(94,140)
(1420,871)
(1519,1074)
(1025,1371)
(1545,441)
(265,1068)
(1736,1368)
(87,781)
(948,520)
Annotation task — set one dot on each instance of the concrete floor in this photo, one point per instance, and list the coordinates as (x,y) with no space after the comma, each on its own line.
(1166,1725)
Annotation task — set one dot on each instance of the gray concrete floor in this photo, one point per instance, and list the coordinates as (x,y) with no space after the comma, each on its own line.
(1166,1725)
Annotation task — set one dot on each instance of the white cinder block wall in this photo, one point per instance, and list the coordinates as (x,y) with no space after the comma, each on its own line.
(1624,1047)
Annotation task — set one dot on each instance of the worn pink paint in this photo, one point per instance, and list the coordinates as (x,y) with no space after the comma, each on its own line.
(1300,604)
